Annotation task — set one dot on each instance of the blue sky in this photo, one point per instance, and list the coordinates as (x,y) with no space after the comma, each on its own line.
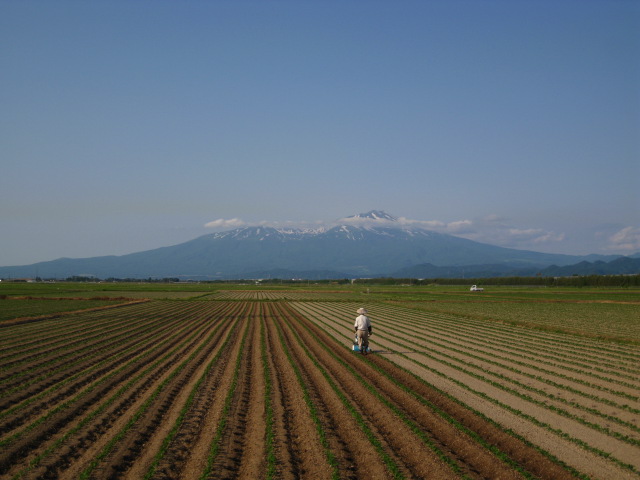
(126,126)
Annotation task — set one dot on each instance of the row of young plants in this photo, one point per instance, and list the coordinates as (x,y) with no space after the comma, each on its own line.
(428,431)
(535,345)
(533,365)
(67,403)
(84,359)
(59,361)
(29,307)
(270,433)
(152,359)
(329,455)
(91,326)
(396,332)
(525,353)
(23,336)
(387,459)
(196,390)
(560,339)
(552,356)
(150,403)
(215,444)
(334,328)
(51,361)
(37,368)
(104,362)
(508,384)
(579,316)
(583,442)
(360,420)
(143,375)
(252,295)
(616,357)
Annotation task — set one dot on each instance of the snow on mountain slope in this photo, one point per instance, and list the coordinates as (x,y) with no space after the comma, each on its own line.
(372,243)
(375,221)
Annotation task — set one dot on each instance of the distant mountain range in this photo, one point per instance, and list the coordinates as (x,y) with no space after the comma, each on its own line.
(365,245)
(619,266)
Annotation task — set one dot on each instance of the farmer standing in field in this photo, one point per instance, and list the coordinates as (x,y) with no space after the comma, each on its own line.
(363,330)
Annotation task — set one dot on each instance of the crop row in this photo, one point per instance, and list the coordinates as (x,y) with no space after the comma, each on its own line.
(550,349)
(11,308)
(241,390)
(596,318)
(476,360)
(54,403)
(249,295)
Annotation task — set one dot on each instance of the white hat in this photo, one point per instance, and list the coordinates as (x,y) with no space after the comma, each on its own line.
(362,311)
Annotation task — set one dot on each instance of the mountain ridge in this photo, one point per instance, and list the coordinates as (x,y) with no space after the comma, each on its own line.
(370,244)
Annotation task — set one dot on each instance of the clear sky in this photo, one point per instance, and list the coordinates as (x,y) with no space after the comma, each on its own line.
(130,125)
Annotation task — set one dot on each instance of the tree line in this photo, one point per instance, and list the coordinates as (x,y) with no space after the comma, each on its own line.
(572,281)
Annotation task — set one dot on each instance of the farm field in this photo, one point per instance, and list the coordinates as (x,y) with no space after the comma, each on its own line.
(28,308)
(607,319)
(262,383)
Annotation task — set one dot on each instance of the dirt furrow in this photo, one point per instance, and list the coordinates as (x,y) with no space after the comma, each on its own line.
(154,419)
(471,459)
(94,434)
(62,385)
(193,427)
(214,398)
(351,451)
(253,447)
(190,427)
(375,435)
(298,448)
(237,440)
(491,402)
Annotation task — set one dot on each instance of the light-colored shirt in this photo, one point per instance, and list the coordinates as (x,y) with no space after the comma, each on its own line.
(362,323)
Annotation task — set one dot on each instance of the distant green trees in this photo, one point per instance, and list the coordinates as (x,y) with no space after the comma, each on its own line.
(572,281)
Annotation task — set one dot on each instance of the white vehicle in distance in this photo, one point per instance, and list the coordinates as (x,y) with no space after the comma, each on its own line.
(475,288)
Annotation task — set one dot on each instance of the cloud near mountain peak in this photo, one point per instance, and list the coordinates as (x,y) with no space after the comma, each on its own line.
(225,223)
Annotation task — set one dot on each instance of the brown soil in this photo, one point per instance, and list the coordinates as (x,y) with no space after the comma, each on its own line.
(189,397)
(487,399)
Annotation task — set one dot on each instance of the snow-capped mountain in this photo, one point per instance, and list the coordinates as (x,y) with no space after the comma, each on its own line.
(373,215)
(368,244)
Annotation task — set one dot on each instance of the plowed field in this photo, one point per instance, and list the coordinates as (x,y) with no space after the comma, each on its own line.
(269,388)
